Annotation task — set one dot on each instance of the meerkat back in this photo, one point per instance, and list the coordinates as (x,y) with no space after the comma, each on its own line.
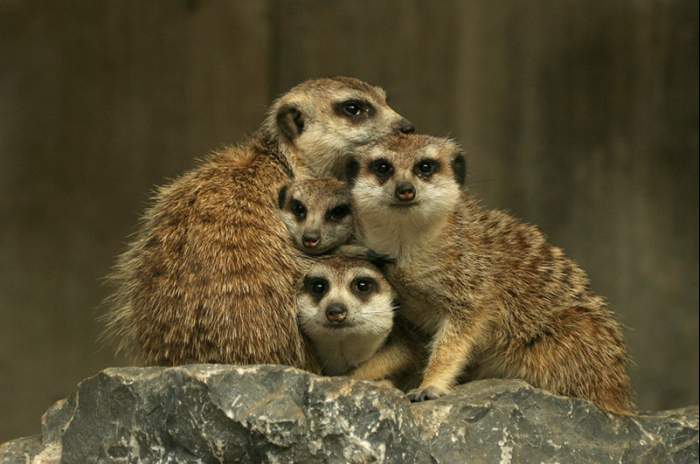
(213,272)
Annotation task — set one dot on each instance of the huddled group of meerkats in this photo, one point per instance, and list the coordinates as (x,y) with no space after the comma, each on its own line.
(338,241)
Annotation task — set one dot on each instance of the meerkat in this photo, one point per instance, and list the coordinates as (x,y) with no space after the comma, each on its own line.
(492,293)
(317,214)
(348,310)
(211,274)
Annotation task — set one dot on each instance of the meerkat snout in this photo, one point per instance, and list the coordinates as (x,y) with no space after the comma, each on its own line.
(404,126)
(405,192)
(311,239)
(336,312)
(317,214)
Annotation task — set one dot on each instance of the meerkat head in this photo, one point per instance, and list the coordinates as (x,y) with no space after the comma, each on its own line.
(322,120)
(345,297)
(406,178)
(317,214)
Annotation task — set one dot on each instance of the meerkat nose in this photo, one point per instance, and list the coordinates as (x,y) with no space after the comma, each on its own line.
(405,127)
(405,191)
(311,239)
(336,312)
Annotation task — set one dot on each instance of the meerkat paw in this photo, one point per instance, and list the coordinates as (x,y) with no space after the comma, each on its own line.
(360,251)
(430,392)
(384,383)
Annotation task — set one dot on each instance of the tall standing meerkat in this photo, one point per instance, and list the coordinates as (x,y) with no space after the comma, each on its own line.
(348,310)
(211,274)
(494,295)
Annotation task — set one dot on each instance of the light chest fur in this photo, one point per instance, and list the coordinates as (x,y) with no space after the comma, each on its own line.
(339,355)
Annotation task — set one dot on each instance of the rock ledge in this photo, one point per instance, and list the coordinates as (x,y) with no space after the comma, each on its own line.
(275,414)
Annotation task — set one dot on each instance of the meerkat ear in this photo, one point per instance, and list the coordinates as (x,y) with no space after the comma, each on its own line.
(282,196)
(459,169)
(290,122)
(352,167)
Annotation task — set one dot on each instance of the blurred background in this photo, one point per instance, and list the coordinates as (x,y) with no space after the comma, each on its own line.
(578,116)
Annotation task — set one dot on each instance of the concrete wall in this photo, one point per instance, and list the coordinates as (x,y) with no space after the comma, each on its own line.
(578,116)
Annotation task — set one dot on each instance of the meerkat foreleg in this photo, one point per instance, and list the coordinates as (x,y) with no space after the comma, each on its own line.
(390,360)
(452,349)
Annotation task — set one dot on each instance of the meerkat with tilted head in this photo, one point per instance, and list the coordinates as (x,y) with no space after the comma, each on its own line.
(347,309)
(317,214)
(211,274)
(494,295)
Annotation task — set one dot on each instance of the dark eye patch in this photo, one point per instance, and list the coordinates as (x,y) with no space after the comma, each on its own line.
(426,168)
(363,287)
(356,110)
(317,287)
(338,213)
(298,209)
(381,168)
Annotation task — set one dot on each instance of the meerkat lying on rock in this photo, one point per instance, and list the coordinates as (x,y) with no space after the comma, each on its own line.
(211,274)
(494,295)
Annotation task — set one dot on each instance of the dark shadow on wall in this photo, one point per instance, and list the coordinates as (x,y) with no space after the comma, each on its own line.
(579,117)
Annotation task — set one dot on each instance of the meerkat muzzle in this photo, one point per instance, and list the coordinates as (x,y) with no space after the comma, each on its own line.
(311,240)
(311,243)
(336,313)
(405,127)
(405,192)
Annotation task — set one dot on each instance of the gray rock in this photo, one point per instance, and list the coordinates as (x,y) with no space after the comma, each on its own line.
(275,414)
(20,450)
(511,421)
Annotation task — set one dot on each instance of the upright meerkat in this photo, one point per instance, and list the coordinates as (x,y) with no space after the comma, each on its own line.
(495,296)
(317,214)
(347,309)
(211,274)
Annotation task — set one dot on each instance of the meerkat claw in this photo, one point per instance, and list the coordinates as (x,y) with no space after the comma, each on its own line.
(430,393)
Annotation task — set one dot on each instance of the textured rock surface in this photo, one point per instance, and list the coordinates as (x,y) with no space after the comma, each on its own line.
(214,413)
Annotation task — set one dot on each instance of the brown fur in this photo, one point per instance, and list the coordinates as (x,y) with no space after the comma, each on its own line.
(378,344)
(319,200)
(211,274)
(400,360)
(496,297)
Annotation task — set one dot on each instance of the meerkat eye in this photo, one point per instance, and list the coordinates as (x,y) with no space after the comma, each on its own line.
(338,213)
(316,286)
(354,109)
(298,209)
(363,285)
(382,168)
(426,167)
